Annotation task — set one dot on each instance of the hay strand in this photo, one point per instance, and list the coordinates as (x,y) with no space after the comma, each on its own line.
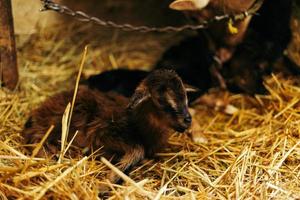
(126,178)
(46,187)
(67,117)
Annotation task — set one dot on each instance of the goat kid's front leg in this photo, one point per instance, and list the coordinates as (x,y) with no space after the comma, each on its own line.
(132,156)
(196,131)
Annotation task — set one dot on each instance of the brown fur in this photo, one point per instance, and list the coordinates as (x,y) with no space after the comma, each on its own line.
(128,129)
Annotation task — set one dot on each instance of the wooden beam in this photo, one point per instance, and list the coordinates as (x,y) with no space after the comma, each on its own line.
(8,58)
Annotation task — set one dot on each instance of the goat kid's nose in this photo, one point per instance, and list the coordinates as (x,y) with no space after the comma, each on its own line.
(188,119)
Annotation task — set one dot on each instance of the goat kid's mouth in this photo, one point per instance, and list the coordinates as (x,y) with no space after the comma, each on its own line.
(181,128)
(183,121)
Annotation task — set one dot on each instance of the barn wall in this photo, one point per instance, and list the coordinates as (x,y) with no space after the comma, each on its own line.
(27,16)
(147,12)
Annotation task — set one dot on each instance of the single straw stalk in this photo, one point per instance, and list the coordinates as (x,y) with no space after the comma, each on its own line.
(67,117)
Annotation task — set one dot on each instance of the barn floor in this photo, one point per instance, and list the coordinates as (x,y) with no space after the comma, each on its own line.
(253,154)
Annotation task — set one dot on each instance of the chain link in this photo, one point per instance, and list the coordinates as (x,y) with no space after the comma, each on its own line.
(81,16)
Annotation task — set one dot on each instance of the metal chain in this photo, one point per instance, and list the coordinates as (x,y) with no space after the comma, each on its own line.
(81,16)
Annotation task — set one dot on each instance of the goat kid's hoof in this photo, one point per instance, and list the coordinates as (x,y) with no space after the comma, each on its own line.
(103,192)
(230,109)
(196,134)
(198,138)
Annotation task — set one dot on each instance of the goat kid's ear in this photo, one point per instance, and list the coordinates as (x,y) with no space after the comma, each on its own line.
(188,88)
(183,5)
(138,97)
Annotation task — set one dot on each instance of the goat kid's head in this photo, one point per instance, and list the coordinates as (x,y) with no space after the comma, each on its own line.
(200,10)
(166,91)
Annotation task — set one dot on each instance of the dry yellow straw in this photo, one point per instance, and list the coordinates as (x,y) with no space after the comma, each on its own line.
(69,110)
(126,178)
(38,147)
(59,178)
(11,149)
(284,157)
(163,189)
(64,131)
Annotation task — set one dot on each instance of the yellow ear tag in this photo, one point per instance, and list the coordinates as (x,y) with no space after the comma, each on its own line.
(231,28)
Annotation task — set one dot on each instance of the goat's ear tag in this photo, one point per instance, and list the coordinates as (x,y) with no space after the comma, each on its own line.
(188,4)
(231,28)
(137,98)
(189,88)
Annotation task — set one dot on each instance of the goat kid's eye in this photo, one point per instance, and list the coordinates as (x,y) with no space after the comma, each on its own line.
(176,112)
(170,110)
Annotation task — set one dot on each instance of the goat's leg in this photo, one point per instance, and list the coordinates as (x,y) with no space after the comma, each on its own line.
(196,131)
(215,72)
(197,134)
(132,156)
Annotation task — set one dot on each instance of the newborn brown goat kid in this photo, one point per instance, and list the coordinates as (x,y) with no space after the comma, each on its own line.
(128,129)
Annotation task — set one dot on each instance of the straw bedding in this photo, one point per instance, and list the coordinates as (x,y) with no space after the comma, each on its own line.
(253,154)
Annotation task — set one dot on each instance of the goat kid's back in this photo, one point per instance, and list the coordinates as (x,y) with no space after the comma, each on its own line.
(90,106)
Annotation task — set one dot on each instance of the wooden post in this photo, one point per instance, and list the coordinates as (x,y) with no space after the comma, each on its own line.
(8,58)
